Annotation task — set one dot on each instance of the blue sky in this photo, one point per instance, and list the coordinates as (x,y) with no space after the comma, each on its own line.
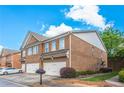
(16,21)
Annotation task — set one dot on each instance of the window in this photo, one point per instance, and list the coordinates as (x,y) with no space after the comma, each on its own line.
(61,43)
(23,53)
(35,49)
(46,47)
(53,45)
(29,51)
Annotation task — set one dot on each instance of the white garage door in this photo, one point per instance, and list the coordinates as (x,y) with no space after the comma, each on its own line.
(53,68)
(23,67)
(31,68)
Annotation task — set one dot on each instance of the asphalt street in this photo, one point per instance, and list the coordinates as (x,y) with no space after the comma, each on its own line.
(6,83)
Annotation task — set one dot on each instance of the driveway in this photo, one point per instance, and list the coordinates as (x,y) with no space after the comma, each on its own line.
(33,80)
(27,79)
(6,83)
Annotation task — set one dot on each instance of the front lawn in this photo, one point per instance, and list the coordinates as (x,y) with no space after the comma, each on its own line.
(101,77)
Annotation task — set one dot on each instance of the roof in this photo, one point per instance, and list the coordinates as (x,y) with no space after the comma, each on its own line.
(47,39)
(74,32)
(83,31)
(55,52)
(68,32)
(58,53)
(91,38)
(36,35)
(6,51)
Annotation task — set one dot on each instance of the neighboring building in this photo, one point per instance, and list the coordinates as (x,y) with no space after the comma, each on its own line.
(82,50)
(10,58)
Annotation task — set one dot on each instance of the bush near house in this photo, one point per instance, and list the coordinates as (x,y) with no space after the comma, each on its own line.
(67,72)
(105,70)
(121,75)
(88,72)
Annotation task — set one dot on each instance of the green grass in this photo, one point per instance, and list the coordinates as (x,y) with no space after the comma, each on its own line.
(101,77)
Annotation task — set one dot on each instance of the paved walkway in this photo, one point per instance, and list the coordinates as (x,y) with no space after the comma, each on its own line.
(115,81)
(6,83)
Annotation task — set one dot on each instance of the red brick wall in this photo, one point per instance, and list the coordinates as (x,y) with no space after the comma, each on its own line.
(32,40)
(82,57)
(3,62)
(57,43)
(16,60)
(35,58)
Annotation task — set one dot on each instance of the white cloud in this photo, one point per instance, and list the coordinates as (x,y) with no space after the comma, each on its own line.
(42,27)
(110,24)
(56,30)
(88,15)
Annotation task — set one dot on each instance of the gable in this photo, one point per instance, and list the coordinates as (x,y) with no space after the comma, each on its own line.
(92,38)
(4,52)
(31,40)
(28,40)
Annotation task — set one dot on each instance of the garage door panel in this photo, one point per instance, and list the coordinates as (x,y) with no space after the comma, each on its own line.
(31,68)
(53,68)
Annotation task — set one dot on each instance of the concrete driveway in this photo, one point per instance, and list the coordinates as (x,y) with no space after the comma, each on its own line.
(27,79)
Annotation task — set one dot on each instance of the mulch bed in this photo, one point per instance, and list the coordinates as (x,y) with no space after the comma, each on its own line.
(76,82)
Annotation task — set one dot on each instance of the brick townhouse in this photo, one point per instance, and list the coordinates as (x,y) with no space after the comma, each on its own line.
(10,58)
(81,50)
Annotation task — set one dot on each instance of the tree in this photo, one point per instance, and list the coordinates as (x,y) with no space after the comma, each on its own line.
(112,39)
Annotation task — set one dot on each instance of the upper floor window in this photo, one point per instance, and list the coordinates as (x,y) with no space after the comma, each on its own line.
(23,53)
(53,45)
(46,47)
(29,51)
(61,43)
(35,49)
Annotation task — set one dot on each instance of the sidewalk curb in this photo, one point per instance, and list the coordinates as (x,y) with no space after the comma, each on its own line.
(114,83)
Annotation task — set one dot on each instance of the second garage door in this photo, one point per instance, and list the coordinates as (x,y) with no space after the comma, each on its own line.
(53,68)
(31,68)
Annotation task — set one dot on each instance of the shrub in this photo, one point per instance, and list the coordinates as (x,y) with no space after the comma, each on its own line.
(122,69)
(105,70)
(68,72)
(88,72)
(121,75)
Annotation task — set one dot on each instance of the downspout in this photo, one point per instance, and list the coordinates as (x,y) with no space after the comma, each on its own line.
(70,50)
